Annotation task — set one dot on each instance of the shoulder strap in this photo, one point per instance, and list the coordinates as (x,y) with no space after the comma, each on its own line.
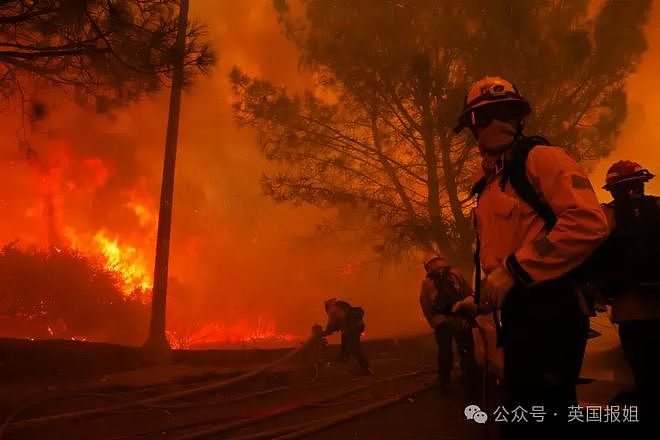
(478,187)
(515,172)
(476,190)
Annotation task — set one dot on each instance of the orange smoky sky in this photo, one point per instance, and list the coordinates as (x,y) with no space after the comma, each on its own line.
(240,264)
(640,134)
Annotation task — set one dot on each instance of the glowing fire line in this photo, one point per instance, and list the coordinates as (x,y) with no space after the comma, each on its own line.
(237,333)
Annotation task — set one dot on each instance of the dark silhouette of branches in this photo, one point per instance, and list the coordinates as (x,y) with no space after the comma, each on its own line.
(109,51)
(393,76)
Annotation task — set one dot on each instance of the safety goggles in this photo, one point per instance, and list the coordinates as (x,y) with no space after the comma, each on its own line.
(503,111)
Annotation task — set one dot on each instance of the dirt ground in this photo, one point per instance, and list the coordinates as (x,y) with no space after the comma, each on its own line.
(35,371)
(312,389)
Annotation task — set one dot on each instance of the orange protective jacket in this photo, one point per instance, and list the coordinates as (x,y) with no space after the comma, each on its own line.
(513,235)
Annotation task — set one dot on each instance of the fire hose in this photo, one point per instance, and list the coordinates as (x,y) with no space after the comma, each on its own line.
(484,370)
(206,432)
(307,428)
(214,430)
(263,415)
(304,427)
(152,400)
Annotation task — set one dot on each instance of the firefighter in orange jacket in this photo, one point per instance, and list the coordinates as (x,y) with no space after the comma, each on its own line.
(527,252)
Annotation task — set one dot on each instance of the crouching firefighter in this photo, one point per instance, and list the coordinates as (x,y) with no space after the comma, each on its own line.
(349,320)
(632,276)
(537,218)
(442,288)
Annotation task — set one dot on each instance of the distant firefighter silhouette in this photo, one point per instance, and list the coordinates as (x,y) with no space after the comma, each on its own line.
(349,320)
(441,289)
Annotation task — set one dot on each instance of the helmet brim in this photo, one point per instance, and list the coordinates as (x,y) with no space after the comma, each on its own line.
(644,178)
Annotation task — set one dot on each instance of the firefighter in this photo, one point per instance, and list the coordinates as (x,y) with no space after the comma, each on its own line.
(441,289)
(537,218)
(634,252)
(349,320)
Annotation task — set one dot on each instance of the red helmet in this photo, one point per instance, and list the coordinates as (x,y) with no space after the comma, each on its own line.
(626,171)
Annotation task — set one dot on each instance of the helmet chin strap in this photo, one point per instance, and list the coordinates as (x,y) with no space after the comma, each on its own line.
(519,130)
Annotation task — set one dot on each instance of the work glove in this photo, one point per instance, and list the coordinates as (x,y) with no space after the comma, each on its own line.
(466,307)
(495,289)
(317,330)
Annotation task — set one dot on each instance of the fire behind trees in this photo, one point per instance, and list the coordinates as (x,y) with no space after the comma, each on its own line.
(108,52)
(376,132)
(59,293)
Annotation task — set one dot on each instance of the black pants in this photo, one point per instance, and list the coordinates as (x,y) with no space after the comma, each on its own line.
(544,335)
(445,332)
(351,346)
(640,341)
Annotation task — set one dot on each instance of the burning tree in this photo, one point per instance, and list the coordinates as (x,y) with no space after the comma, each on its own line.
(376,131)
(108,52)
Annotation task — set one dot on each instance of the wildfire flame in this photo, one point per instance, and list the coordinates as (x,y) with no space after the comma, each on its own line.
(67,179)
(127,262)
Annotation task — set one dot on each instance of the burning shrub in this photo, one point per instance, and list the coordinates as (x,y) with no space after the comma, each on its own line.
(59,293)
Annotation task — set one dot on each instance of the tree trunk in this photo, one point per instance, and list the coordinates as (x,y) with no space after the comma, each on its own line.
(157,342)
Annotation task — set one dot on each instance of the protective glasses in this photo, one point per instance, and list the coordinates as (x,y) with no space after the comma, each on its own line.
(502,111)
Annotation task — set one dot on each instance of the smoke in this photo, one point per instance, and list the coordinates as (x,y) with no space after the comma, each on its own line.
(640,135)
(238,261)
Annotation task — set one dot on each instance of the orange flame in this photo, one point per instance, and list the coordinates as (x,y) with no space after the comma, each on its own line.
(127,262)
(66,180)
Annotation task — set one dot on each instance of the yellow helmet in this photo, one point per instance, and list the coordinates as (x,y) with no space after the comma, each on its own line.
(490,90)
